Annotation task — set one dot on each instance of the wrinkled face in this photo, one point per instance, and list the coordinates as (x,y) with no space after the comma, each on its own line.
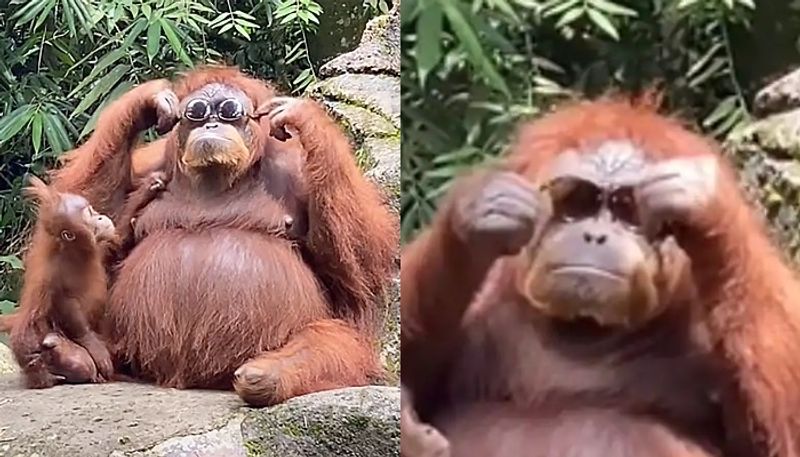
(215,131)
(77,209)
(593,258)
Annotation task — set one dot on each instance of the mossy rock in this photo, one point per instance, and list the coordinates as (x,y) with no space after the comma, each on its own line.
(773,186)
(377,93)
(775,136)
(357,422)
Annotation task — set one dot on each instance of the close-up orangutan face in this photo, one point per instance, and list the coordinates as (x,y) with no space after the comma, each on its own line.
(597,256)
(215,132)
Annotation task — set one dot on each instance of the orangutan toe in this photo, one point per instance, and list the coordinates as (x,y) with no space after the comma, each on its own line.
(256,386)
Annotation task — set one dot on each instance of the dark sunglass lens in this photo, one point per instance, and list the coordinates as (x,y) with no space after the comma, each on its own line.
(575,198)
(231,110)
(197,110)
(622,205)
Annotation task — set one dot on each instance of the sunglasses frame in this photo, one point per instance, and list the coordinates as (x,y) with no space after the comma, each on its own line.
(606,193)
(210,111)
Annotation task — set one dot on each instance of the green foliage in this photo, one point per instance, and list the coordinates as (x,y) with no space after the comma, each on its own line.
(63,61)
(473,69)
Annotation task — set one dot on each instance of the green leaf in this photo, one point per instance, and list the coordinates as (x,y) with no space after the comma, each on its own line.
(36,133)
(100,89)
(711,71)
(613,8)
(603,23)
(121,88)
(429,39)
(409,10)
(11,261)
(570,17)
(683,4)
(153,39)
(56,134)
(174,41)
(242,31)
(7,306)
(28,12)
(15,121)
(469,40)
(723,109)
(556,7)
(702,61)
(106,61)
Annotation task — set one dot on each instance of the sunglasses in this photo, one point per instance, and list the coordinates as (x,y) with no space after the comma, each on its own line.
(576,198)
(228,110)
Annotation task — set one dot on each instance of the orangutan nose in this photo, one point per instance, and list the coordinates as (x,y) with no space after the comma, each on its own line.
(594,237)
(212,125)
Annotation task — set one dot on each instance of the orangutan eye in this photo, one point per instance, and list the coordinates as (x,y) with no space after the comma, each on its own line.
(197,110)
(575,198)
(230,110)
(622,205)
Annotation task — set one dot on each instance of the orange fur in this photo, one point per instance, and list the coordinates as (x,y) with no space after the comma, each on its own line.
(211,280)
(64,288)
(746,302)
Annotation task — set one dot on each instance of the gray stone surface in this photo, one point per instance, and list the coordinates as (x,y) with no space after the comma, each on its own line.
(390,346)
(782,95)
(138,420)
(767,152)
(348,423)
(7,363)
(94,420)
(377,93)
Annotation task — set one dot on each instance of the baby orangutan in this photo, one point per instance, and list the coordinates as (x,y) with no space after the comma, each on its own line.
(66,286)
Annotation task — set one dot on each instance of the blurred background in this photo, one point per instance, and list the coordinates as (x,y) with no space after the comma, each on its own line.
(62,61)
(472,69)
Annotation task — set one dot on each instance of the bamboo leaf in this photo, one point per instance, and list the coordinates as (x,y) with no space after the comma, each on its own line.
(601,21)
(56,134)
(613,8)
(15,121)
(121,88)
(570,17)
(103,86)
(36,133)
(429,39)
(723,109)
(153,39)
(469,40)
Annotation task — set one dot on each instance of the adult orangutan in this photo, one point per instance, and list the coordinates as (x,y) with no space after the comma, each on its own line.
(213,294)
(606,291)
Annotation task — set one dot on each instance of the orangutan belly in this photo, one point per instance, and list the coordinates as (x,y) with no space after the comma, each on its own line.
(187,309)
(497,430)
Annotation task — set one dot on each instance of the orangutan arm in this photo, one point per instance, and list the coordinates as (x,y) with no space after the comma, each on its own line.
(100,169)
(352,236)
(487,215)
(751,297)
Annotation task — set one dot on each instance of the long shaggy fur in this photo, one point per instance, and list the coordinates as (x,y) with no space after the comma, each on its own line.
(215,281)
(745,305)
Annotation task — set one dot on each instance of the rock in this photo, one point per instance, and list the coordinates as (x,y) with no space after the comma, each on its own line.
(390,344)
(766,153)
(781,95)
(377,93)
(7,363)
(377,53)
(777,135)
(137,420)
(353,422)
